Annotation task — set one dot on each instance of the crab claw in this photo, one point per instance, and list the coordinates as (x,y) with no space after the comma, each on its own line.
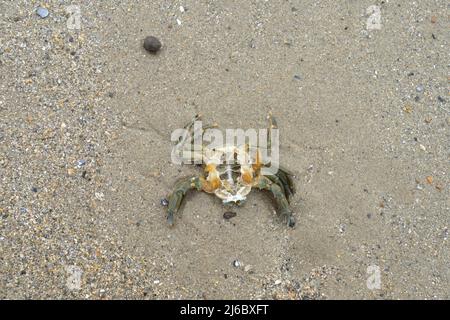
(176,197)
(170,219)
(291,221)
(284,209)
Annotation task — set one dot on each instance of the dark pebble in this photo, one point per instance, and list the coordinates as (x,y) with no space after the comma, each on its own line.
(441,99)
(85,175)
(164,202)
(34,189)
(152,44)
(229,214)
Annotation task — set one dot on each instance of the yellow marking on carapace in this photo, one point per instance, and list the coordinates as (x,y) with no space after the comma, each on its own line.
(206,186)
(215,183)
(210,167)
(211,183)
(257,165)
(247,176)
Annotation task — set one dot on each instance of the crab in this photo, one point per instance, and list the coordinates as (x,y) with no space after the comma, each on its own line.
(232,182)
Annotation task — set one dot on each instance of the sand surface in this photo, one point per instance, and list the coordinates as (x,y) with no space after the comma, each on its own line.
(86,117)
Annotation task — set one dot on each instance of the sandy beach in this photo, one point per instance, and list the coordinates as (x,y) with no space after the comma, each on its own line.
(360,92)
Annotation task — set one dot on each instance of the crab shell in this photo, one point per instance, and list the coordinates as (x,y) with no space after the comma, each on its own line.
(231,182)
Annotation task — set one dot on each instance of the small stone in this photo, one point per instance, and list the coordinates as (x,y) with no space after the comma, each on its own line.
(277,282)
(419,88)
(229,214)
(164,202)
(99,196)
(429,179)
(81,163)
(42,12)
(152,44)
(237,264)
(440,99)
(433,19)
(71,171)
(407,109)
(422,147)
(47,134)
(297,77)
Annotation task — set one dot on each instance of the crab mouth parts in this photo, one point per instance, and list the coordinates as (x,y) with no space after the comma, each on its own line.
(236,198)
(236,195)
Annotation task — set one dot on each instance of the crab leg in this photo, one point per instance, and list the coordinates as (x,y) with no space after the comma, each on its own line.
(286,181)
(284,210)
(272,125)
(193,136)
(189,127)
(180,190)
(276,179)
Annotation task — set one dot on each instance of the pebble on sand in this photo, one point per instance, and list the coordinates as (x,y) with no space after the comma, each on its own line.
(164,202)
(229,214)
(152,44)
(42,12)
(237,264)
